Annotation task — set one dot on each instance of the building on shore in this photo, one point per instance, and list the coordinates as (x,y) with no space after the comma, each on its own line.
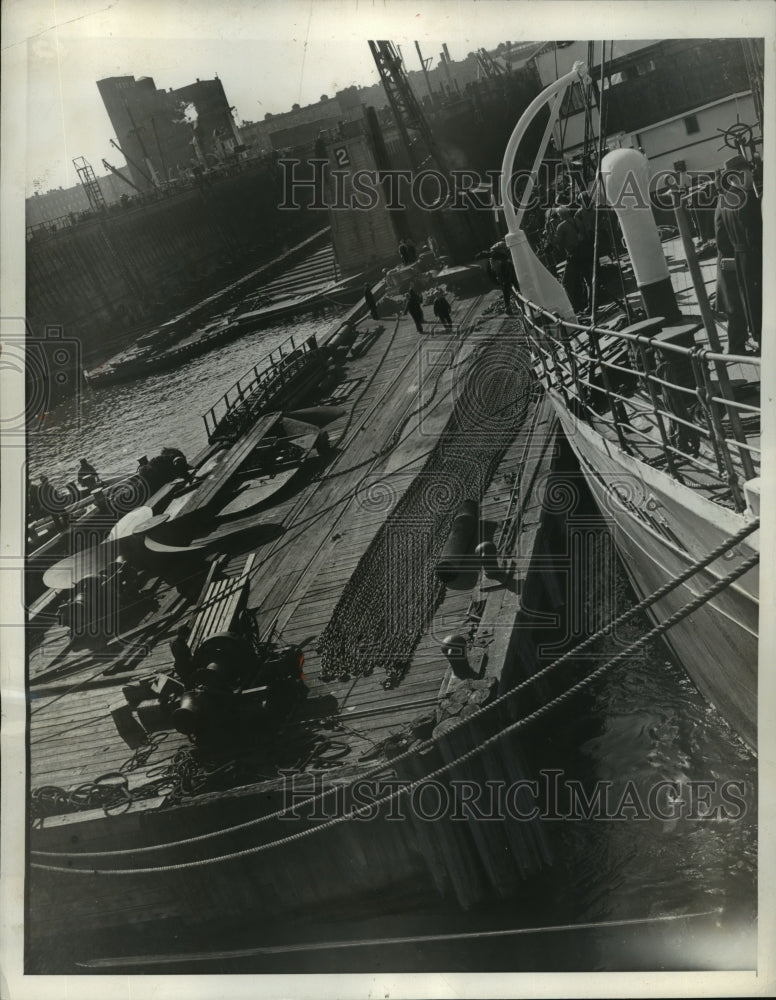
(62,207)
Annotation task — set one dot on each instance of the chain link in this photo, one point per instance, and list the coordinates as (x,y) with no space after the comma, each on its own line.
(388,601)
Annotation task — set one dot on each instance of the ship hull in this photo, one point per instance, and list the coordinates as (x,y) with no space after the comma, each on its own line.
(660,528)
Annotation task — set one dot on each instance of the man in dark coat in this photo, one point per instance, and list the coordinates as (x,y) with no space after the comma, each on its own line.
(502,271)
(442,310)
(87,475)
(178,466)
(729,300)
(578,276)
(738,228)
(414,307)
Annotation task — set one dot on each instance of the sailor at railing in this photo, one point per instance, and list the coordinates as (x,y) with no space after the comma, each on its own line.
(566,237)
(739,233)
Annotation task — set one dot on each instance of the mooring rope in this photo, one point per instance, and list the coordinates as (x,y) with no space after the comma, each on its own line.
(622,619)
(717,587)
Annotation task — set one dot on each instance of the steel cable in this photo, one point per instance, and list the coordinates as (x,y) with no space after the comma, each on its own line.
(519,724)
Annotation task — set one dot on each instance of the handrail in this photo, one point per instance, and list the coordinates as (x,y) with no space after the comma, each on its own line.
(676,384)
(278,366)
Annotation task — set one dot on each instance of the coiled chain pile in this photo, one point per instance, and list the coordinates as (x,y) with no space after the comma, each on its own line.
(391,596)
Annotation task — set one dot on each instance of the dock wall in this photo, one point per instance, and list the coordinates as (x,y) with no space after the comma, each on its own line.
(116,273)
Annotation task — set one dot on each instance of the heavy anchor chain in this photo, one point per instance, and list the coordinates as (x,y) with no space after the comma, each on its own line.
(391,596)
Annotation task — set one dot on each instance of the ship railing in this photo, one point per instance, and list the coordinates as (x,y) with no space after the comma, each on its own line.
(254,390)
(661,399)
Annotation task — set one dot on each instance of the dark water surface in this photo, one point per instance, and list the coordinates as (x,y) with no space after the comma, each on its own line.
(114,425)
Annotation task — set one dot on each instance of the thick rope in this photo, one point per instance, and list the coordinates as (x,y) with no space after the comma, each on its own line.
(574,653)
(403,790)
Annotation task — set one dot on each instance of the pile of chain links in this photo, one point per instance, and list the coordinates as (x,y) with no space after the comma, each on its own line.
(391,596)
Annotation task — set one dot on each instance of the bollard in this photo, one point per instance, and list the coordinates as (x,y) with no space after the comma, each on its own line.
(454,649)
(487,553)
(459,541)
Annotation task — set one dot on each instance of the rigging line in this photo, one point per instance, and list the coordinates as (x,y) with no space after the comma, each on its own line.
(279,949)
(474,751)
(589,136)
(594,284)
(598,187)
(574,653)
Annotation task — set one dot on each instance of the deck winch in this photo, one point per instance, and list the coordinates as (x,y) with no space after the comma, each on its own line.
(226,669)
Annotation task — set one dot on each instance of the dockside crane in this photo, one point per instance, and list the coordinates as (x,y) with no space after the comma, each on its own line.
(421,146)
(488,66)
(417,137)
(117,173)
(424,64)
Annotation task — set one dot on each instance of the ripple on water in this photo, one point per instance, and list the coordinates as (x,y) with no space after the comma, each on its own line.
(114,425)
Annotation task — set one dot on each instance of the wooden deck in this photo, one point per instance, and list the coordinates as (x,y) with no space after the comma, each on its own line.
(398,395)
(397,391)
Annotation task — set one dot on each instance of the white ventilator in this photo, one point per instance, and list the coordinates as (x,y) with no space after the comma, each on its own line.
(625,176)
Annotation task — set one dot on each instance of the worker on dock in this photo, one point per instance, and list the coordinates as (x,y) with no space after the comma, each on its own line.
(414,307)
(369,299)
(442,310)
(738,229)
(35,508)
(87,475)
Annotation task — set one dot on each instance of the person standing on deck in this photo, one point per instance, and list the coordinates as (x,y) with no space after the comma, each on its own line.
(414,306)
(738,228)
(369,299)
(728,299)
(87,475)
(578,275)
(501,270)
(35,508)
(178,465)
(442,310)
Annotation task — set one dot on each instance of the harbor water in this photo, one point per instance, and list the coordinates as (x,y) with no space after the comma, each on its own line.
(644,723)
(113,426)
